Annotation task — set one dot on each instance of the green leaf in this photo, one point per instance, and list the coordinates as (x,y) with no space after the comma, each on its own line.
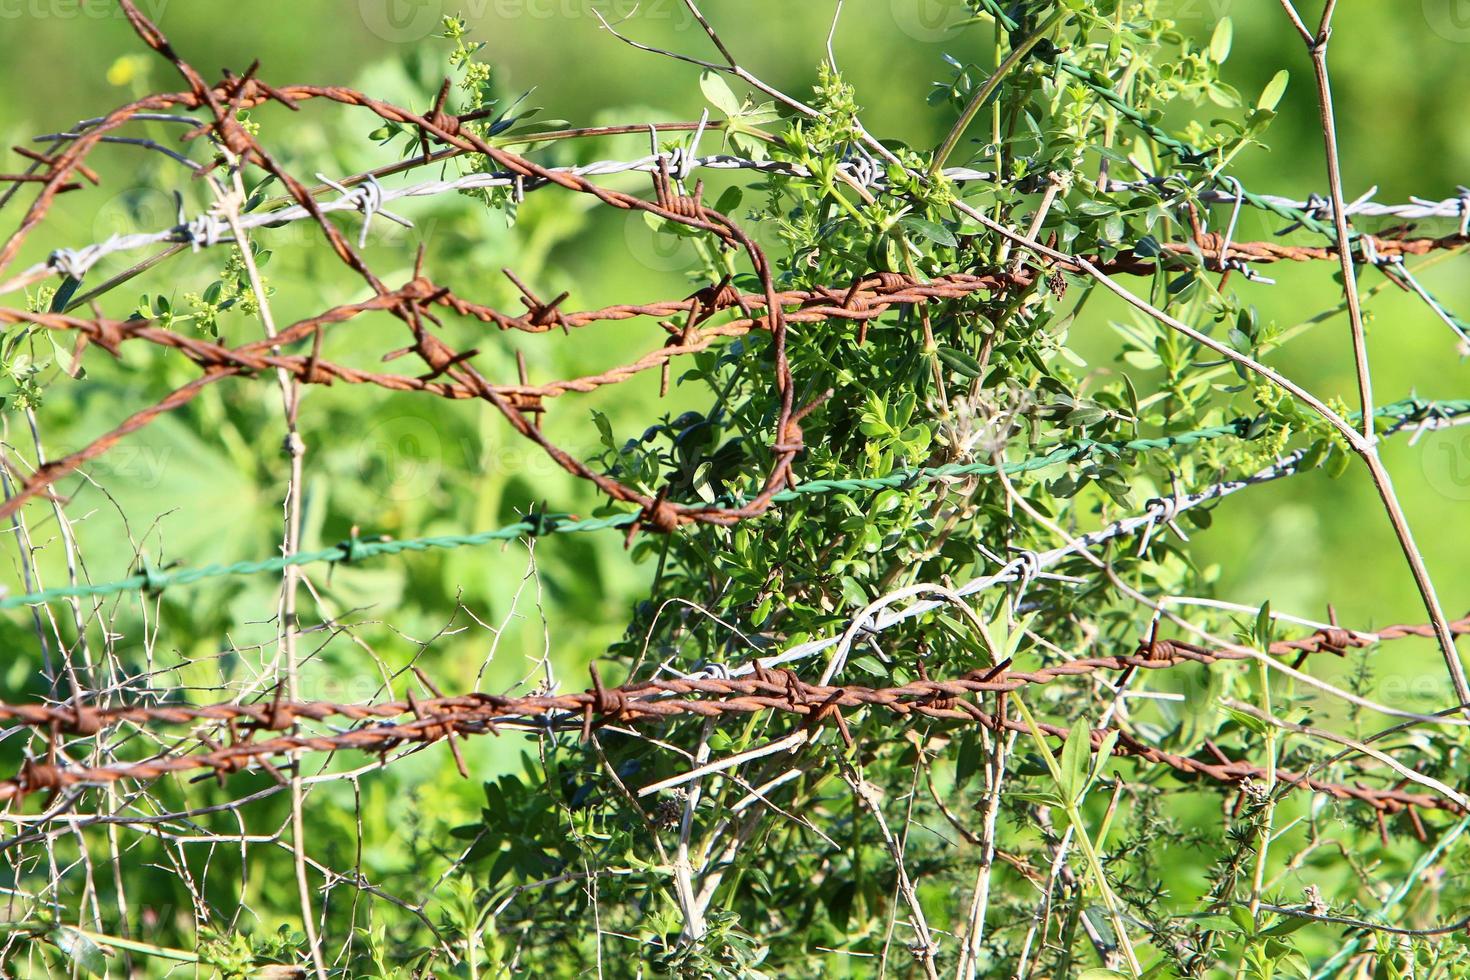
(1076,755)
(931,230)
(1085,415)
(718,93)
(1247,720)
(729,200)
(1220,40)
(1038,797)
(84,954)
(1275,88)
(1104,753)
(960,362)
(1263,625)
(1286,926)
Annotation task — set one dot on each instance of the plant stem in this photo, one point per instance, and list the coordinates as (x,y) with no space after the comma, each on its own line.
(987,90)
(1074,816)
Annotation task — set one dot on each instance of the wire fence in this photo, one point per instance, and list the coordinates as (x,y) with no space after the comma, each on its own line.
(100,738)
(1418,414)
(768,690)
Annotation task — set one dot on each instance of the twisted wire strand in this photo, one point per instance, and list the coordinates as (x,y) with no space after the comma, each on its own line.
(1403,414)
(769,690)
(205,229)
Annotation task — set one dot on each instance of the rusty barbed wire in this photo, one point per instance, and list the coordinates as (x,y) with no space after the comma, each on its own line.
(1153,653)
(766,689)
(238,737)
(451,373)
(863,300)
(235,93)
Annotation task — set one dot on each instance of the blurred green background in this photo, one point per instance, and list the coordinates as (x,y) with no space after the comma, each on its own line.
(205,484)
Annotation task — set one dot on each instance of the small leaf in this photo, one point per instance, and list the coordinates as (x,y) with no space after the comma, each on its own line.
(931,230)
(1076,754)
(1220,40)
(1085,415)
(1263,625)
(718,93)
(960,362)
(1286,927)
(729,200)
(1104,753)
(85,955)
(1275,88)
(1247,720)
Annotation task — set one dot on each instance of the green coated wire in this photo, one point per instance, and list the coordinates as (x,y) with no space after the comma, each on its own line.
(151,579)
(1188,154)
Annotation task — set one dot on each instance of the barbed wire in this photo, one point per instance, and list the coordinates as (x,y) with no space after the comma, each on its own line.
(769,689)
(864,299)
(368,197)
(651,699)
(1417,413)
(1415,209)
(256,733)
(518,404)
(1029,565)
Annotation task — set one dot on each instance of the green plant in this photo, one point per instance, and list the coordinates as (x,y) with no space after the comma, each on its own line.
(908,556)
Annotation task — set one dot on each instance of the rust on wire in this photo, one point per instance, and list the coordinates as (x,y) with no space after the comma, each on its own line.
(781,690)
(259,733)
